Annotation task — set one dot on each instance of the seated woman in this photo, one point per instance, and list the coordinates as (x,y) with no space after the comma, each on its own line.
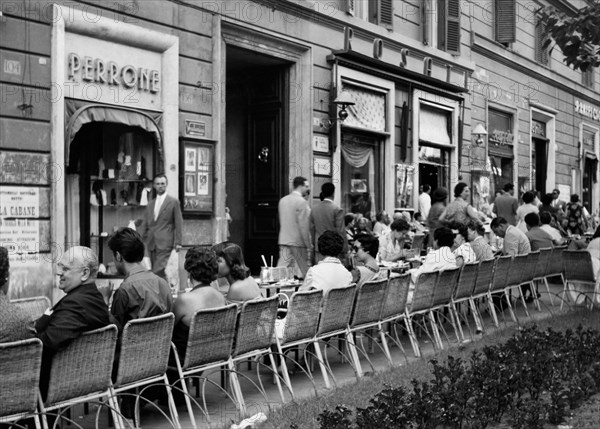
(365,250)
(461,247)
(202,266)
(392,245)
(329,273)
(220,283)
(441,258)
(242,287)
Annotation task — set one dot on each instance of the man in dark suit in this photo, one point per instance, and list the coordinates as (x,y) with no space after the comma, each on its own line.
(161,229)
(326,216)
(294,235)
(506,205)
(82,309)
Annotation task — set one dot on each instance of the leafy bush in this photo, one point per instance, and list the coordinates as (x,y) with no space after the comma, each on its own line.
(532,378)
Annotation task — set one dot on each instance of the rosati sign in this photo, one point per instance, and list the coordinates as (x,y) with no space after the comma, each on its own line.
(587,110)
(100,71)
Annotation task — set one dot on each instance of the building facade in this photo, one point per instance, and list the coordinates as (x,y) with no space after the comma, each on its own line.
(233,99)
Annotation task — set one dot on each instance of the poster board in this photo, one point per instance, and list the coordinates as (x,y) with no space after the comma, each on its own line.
(197,181)
(405,174)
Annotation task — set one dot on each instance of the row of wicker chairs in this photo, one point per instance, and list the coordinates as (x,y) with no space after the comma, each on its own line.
(222,338)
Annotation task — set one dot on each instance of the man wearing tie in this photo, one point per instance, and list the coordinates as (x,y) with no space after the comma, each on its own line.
(161,229)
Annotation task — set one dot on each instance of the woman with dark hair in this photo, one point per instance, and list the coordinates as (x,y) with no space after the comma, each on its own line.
(16,324)
(439,198)
(328,273)
(524,209)
(232,267)
(441,258)
(202,267)
(461,247)
(365,250)
(459,210)
(576,221)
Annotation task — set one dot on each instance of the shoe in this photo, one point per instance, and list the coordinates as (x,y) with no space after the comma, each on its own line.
(529,299)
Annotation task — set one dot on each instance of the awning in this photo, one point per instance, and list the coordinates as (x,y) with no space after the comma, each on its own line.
(78,113)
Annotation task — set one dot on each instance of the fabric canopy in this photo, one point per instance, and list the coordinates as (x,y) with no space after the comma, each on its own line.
(78,113)
(433,126)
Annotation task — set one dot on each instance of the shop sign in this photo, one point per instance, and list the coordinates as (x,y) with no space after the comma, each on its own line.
(20,235)
(587,110)
(195,128)
(501,137)
(19,201)
(100,71)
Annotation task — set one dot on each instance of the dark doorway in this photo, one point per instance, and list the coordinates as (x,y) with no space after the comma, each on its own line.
(539,159)
(256,138)
(589,178)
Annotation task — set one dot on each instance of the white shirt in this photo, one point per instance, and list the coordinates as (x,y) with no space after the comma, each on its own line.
(436,260)
(159,201)
(327,274)
(466,252)
(553,232)
(424,204)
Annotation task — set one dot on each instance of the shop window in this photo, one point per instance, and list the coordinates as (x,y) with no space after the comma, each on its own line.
(361,174)
(500,150)
(380,12)
(587,77)
(435,145)
(542,55)
(504,21)
(434,166)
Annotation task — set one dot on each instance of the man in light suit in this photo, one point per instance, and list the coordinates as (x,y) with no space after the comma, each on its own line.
(326,216)
(295,249)
(161,229)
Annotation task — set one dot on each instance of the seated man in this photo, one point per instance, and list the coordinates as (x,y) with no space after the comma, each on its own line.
(365,249)
(479,244)
(16,324)
(538,238)
(329,273)
(391,245)
(82,309)
(546,219)
(515,241)
(142,293)
(202,266)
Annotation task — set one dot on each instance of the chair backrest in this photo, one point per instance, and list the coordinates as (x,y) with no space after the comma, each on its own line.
(519,264)
(542,263)
(20,364)
(145,348)
(211,335)
(556,265)
(397,292)
(34,307)
(529,267)
(485,274)
(445,287)
(84,367)
(302,317)
(466,280)
(423,294)
(336,309)
(578,266)
(501,270)
(370,297)
(256,325)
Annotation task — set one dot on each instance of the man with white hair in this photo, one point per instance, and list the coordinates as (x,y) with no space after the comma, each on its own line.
(82,309)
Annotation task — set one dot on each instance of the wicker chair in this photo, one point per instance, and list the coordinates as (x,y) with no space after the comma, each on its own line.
(300,327)
(253,339)
(394,309)
(420,304)
(34,307)
(481,290)
(579,270)
(209,346)
(82,372)
(541,268)
(556,267)
(20,363)
(513,281)
(462,293)
(144,357)
(336,310)
(442,297)
(368,305)
(498,284)
(529,274)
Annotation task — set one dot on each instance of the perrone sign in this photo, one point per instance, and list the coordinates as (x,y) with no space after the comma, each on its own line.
(587,110)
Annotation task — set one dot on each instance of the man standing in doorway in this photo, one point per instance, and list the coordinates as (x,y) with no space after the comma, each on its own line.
(425,201)
(506,205)
(161,229)
(294,234)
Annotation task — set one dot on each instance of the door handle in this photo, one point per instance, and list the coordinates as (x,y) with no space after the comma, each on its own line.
(262,204)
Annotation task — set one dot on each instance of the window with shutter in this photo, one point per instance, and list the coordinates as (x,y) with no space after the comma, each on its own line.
(350,7)
(449,26)
(505,21)
(386,14)
(541,54)
(587,77)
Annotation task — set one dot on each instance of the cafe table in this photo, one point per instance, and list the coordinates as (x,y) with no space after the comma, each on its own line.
(285,286)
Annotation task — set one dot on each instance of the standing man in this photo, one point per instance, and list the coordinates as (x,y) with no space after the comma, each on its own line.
(161,229)
(506,205)
(326,216)
(425,201)
(142,293)
(557,202)
(294,231)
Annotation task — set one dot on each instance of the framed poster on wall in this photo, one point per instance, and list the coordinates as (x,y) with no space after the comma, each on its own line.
(197,182)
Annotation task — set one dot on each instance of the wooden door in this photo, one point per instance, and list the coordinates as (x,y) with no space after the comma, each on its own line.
(266,172)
